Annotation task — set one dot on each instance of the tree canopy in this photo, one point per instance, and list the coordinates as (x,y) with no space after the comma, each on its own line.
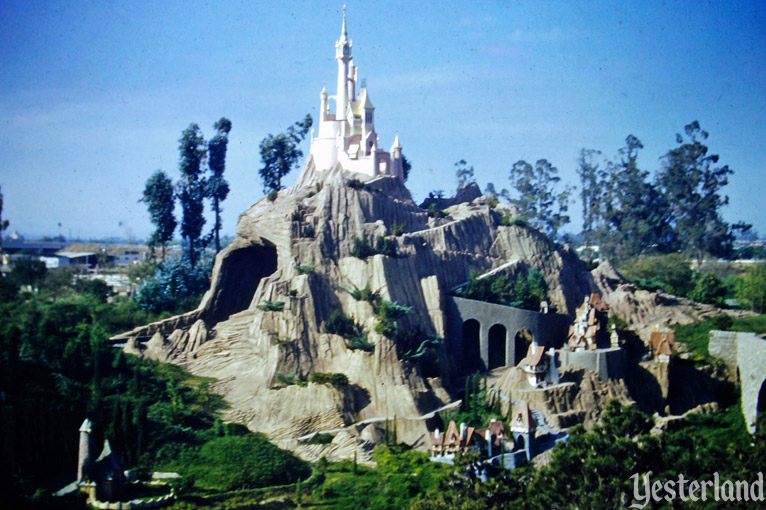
(217,187)
(160,201)
(536,196)
(280,154)
(191,189)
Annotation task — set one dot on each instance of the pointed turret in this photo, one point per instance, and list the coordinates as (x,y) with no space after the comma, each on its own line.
(86,452)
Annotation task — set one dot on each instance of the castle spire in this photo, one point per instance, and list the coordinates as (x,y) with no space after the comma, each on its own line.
(343,33)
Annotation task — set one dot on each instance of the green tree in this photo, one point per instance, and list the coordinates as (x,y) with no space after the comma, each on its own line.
(280,153)
(406,167)
(217,187)
(708,288)
(464,174)
(592,180)
(692,183)
(537,198)
(28,272)
(191,189)
(160,201)
(752,288)
(633,212)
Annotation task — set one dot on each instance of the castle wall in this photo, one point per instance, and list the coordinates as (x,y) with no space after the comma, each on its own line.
(608,363)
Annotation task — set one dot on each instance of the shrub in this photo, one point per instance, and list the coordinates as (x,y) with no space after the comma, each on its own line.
(305,269)
(321,439)
(366,294)
(492,201)
(355,184)
(242,462)
(290,379)
(340,324)
(175,286)
(752,288)
(388,313)
(434,211)
(360,343)
(362,248)
(513,221)
(272,195)
(709,289)
(335,379)
(272,306)
(397,229)
(385,246)
(671,273)
(527,291)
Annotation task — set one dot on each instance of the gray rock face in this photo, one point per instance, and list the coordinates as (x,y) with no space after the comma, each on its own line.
(297,251)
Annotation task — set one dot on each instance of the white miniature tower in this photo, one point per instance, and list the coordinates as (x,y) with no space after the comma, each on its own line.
(86,454)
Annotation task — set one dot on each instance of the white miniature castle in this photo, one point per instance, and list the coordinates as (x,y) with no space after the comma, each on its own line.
(348,136)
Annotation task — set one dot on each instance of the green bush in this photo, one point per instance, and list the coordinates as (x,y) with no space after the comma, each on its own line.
(321,439)
(355,335)
(709,289)
(337,380)
(241,462)
(385,246)
(272,195)
(362,248)
(272,306)
(751,290)
(511,221)
(388,313)
(305,269)
(671,273)
(492,201)
(527,291)
(366,294)
(434,211)
(397,229)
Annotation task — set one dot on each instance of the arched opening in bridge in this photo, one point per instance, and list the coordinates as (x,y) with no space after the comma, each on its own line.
(521,344)
(519,442)
(471,346)
(241,272)
(760,407)
(497,340)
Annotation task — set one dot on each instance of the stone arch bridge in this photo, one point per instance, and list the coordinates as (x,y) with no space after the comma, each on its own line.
(745,357)
(483,336)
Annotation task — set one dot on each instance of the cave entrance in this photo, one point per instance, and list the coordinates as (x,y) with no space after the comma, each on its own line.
(241,272)
(471,346)
(521,344)
(497,341)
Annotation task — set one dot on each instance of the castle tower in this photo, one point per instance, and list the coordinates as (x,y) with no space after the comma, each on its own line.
(343,56)
(348,137)
(86,451)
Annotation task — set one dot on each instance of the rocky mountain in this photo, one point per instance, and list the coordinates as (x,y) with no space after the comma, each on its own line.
(293,263)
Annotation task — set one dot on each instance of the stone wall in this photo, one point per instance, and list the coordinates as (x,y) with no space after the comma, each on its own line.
(744,354)
(607,363)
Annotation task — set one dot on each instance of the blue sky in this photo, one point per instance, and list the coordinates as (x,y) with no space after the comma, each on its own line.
(94,96)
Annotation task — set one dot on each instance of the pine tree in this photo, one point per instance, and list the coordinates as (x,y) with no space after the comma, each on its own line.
(160,201)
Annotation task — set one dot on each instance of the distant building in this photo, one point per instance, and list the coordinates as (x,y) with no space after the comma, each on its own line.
(661,343)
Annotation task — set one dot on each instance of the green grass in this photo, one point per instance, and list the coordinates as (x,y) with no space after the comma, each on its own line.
(697,334)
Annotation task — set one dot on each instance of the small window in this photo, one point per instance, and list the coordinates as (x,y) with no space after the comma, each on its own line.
(368,116)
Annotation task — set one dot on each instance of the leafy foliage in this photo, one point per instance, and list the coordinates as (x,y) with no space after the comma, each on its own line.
(355,335)
(527,291)
(334,379)
(191,189)
(536,197)
(176,286)
(464,174)
(271,306)
(434,211)
(388,313)
(385,246)
(305,269)
(752,289)
(362,248)
(240,462)
(692,184)
(160,201)
(280,154)
(217,187)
